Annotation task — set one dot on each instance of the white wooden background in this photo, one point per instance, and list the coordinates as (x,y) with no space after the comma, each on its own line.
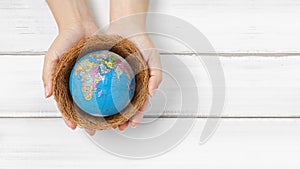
(258,41)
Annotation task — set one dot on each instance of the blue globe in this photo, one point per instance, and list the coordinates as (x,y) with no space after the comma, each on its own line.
(102,83)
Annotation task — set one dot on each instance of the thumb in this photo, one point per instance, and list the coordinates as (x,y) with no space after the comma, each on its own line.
(58,47)
(50,62)
(154,64)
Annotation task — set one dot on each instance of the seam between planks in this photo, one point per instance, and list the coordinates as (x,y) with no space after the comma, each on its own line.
(175,53)
(170,116)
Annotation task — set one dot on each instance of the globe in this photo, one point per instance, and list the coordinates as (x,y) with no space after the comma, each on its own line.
(102,83)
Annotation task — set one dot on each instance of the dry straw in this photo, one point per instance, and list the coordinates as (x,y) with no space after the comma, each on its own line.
(113,43)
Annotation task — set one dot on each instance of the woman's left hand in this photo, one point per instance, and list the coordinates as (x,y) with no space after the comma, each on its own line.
(151,56)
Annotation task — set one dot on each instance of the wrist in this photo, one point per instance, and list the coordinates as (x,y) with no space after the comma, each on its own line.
(82,25)
(71,14)
(137,20)
(127,26)
(79,30)
(82,21)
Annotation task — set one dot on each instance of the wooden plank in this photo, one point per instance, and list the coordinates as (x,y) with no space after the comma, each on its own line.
(255,87)
(247,143)
(230,25)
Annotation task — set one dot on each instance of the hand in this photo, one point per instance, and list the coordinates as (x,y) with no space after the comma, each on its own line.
(128,19)
(152,58)
(74,24)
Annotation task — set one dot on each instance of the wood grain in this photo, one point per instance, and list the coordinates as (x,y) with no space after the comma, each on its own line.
(255,87)
(247,143)
(258,41)
(232,26)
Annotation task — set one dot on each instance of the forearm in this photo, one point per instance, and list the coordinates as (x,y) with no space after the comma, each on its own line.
(68,13)
(136,9)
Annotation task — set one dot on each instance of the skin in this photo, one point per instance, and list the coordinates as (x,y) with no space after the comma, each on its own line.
(75,22)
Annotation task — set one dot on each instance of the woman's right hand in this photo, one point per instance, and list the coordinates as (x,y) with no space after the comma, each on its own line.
(65,40)
(74,22)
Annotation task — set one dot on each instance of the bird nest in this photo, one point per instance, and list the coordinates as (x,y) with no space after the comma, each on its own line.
(113,43)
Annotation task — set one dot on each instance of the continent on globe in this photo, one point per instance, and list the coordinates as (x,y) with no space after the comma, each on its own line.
(102,83)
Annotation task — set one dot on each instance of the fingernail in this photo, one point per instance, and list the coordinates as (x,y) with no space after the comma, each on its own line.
(90,132)
(133,125)
(152,92)
(71,125)
(122,129)
(46,92)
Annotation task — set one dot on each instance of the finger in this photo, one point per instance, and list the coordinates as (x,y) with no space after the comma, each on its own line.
(122,127)
(154,81)
(137,118)
(153,58)
(144,107)
(50,62)
(61,44)
(69,123)
(154,64)
(90,132)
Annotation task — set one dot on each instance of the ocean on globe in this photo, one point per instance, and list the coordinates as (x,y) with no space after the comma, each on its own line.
(102,83)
